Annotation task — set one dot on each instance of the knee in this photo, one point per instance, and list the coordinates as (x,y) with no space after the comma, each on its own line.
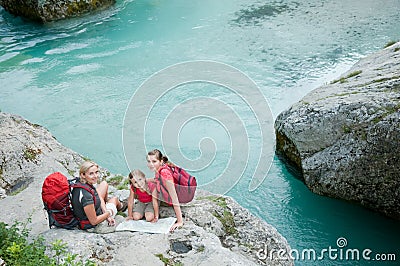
(137,216)
(115,201)
(149,216)
(104,184)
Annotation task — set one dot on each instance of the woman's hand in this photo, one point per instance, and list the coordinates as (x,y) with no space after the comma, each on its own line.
(129,218)
(111,221)
(176,225)
(155,219)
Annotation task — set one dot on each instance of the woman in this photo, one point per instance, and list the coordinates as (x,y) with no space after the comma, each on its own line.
(93,208)
(155,162)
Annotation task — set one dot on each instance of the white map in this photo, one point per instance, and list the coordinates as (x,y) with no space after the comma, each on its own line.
(162,226)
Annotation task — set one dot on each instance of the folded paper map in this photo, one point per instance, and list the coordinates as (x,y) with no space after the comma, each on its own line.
(162,226)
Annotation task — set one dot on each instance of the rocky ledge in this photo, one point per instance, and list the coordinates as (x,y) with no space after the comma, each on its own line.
(51,10)
(217,231)
(344,137)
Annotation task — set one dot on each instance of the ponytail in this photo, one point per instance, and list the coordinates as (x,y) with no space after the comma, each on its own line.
(160,157)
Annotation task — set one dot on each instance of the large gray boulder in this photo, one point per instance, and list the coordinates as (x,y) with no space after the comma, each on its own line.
(217,230)
(51,10)
(344,137)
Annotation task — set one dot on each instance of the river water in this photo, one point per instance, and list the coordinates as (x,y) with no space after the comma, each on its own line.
(77,78)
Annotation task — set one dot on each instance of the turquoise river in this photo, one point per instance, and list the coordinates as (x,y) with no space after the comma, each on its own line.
(77,77)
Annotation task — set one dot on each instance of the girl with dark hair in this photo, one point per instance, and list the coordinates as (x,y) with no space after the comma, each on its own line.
(155,162)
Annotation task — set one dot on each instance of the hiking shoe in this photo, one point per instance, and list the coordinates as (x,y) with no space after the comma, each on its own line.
(124,206)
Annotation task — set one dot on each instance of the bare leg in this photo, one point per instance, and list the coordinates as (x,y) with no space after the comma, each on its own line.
(149,216)
(137,216)
(116,201)
(102,190)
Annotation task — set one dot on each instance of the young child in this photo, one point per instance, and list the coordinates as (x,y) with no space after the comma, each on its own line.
(146,192)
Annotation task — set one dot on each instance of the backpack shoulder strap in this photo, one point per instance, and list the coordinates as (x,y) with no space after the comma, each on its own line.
(85,187)
(165,166)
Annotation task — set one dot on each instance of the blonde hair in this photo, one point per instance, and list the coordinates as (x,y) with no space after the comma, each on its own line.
(86,165)
(138,173)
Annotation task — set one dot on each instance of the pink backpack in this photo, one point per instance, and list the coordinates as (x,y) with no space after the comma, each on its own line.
(185,184)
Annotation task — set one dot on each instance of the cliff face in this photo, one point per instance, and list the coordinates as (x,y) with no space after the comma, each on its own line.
(217,231)
(344,137)
(50,10)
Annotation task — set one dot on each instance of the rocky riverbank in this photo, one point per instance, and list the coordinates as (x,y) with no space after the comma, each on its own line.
(344,137)
(51,10)
(217,231)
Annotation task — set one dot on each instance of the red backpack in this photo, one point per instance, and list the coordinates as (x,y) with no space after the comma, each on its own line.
(56,196)
(185,184)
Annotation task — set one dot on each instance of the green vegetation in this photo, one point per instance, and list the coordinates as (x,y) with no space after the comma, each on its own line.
(210,198)
(227,220)
(364,135)
(86,158)
(115,180)
(65,164)
(123,185)
(17,191)
(167,261)
(341,80)
(344,79)
(379,80)
(220,201)
(122,214)
(201,248)
(226,217)
(346,129)
(387,111)
(390,43)
(383,79)
(353,74)
(71,172)
(15,249)
(31,154)
(119,182)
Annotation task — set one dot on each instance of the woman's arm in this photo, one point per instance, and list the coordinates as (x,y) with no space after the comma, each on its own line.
(131,204)
(177,208)
(92,217)
(155,205)
(150,179)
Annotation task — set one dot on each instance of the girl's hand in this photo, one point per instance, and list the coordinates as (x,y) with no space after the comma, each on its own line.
(176,225)
(154,220)
(129,218)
